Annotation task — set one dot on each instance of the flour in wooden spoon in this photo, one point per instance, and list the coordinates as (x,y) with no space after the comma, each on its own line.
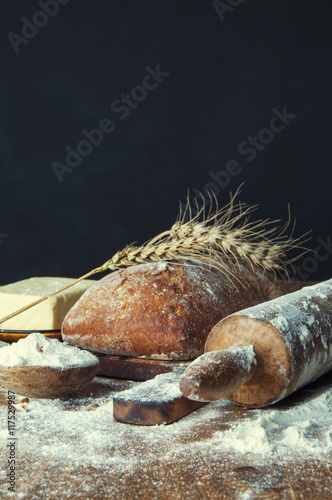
(38,350)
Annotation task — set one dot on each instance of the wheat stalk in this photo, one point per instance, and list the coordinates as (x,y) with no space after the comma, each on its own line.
(220,238)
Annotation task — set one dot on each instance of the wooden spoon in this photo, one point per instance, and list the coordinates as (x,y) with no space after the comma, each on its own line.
(45,381)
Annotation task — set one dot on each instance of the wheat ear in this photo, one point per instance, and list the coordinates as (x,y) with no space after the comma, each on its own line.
(220,238)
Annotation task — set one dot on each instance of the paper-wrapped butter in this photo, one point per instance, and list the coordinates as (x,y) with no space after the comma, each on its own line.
(47,315)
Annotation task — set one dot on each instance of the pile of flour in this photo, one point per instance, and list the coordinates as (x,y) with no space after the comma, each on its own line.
(38,350)
(306,427)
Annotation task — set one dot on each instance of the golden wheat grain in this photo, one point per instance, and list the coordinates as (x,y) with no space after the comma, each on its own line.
(220,238)
(224,236)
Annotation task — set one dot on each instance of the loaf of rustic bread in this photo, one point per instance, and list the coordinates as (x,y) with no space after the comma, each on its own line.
(161,310)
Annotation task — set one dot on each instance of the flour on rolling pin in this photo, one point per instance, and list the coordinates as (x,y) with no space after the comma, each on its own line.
(292,340)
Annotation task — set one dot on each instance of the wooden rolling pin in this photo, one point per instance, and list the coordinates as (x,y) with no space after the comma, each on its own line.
(259,355)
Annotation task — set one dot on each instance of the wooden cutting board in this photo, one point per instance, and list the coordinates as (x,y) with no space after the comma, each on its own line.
(157,400)
(134,368)
(154,402)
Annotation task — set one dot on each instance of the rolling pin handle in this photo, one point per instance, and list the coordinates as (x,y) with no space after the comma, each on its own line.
(217,374)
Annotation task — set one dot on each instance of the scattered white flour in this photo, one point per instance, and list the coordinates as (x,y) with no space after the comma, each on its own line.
(154,389)
(38,350)
(305,427)
(74,446)
(277,431)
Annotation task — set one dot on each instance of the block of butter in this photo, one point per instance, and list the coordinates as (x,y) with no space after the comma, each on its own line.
(49,314)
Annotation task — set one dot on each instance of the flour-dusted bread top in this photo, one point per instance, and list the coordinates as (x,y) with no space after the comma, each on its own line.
(157,310)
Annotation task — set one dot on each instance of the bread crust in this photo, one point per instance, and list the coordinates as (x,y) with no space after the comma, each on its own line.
(159,310)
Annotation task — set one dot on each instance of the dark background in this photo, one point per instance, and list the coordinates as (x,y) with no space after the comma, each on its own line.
(225,78)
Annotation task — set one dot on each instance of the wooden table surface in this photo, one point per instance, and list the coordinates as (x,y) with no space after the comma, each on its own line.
(73,448)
